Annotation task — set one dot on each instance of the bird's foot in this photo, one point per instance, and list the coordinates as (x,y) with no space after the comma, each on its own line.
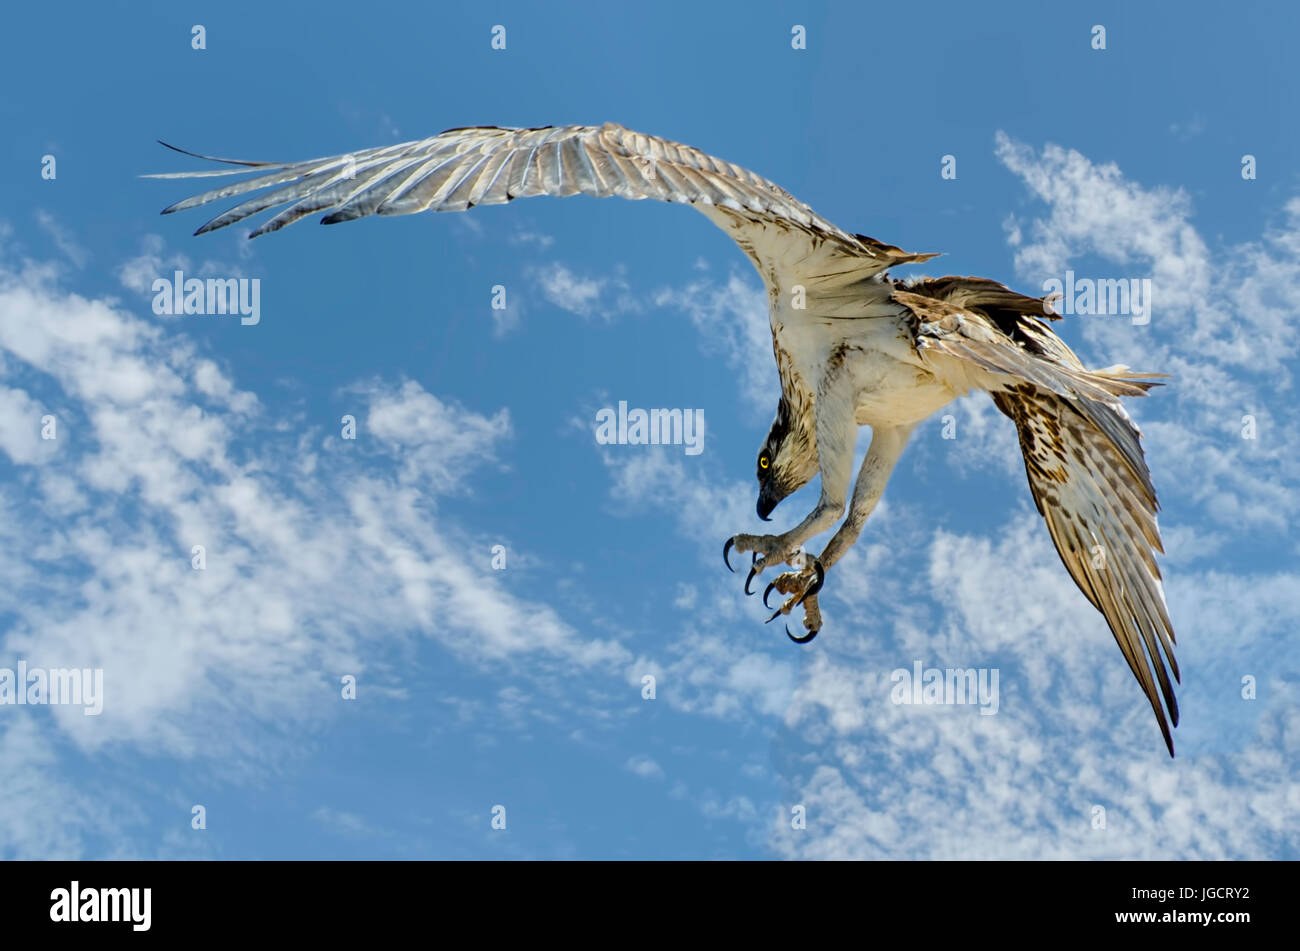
(802,584)
(767,550)
(802,587)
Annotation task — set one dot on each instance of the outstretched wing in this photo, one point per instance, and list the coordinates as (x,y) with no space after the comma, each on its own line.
(460,168)
(1102,517)
(1082,454)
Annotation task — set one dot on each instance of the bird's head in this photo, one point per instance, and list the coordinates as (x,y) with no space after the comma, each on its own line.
(786,460)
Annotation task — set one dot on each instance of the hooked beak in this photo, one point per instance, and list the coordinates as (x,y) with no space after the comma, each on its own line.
(767,500)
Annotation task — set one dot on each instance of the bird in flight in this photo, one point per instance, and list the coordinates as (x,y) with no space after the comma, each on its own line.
(853,346)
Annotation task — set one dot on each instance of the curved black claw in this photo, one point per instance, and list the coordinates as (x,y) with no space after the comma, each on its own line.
(769,590)
(725,549)
(812,589)
(752,571)
(801,640)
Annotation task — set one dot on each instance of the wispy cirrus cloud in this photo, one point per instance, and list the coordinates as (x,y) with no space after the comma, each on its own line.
(1222,325)
(586,296)
(731,317)
(317,558)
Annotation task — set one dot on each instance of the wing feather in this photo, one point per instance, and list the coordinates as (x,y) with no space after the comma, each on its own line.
(1082,454)
(1079,484)
(460,168)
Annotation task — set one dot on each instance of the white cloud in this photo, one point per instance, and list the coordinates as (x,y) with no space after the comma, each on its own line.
(1072,731)
(154,261)
(436,442)
(732,321)
(306,578)
(981,438)
(605,297)
(68,247)
(345,823)
(20,428)
(526,236)
(1222,326)
(42,816)
(645,767)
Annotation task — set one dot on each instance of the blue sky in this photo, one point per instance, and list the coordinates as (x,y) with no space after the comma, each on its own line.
(522,687)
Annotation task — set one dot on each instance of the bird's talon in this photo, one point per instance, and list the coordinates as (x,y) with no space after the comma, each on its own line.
(815,586)
(800,640)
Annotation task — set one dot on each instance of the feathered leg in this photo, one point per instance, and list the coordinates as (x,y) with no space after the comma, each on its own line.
(887,446)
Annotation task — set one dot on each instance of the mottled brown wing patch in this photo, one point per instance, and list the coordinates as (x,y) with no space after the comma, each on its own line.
(1103,523)
(1082,454)
(984,323)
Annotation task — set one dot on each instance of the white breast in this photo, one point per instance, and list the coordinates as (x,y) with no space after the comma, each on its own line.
(894,386)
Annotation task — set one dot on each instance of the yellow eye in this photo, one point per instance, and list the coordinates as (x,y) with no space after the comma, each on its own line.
(762,462)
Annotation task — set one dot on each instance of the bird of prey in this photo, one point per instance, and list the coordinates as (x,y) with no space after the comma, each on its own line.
(853,346)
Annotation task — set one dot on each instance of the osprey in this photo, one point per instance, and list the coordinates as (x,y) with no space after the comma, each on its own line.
(853,346)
